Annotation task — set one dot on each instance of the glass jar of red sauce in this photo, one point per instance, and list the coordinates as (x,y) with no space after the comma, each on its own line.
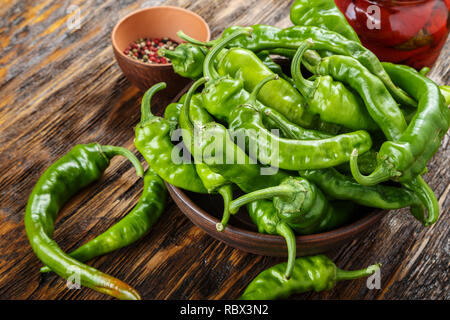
(410,32)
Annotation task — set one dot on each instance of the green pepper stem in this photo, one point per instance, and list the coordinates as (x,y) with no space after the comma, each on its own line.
(427,197)
(111,151)
(303,85)
(146,110)
(312,59)
(171,54)
(226,192)
(379,175)
(356,274)
(208,65)
(287,53)
(189,39)
(286,232)
(252,99)
(277,191)
(185,109)
(287,131)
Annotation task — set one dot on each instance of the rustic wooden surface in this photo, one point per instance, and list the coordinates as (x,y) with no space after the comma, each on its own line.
(59,87)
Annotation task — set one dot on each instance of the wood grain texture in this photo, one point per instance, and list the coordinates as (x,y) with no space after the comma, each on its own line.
(60,87)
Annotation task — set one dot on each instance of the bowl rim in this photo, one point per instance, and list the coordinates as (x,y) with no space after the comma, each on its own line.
(332,235)
(113,33)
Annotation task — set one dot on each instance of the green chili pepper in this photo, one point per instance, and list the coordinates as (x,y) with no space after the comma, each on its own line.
(132,227)
(445,90)
(293,155)
(278,121)
(338,186)
(265,58)
(390,119)
(385,113)
(241,69)
(323,14)
(192,115)
(172,111)
(290,154)
(267,221)
(154,142)
(316,273)
(232,94)
(280,95)
(245,174)
(232,162)
(299,203)
(185,59)
(223,156)
(331,99)
(80,167)
(381,106)
(266,37)
(406,156)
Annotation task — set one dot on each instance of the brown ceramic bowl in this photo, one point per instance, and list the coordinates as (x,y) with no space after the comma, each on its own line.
(205,210)
(155,22)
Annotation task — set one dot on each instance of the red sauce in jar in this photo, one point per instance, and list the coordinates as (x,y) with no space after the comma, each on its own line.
(410,32)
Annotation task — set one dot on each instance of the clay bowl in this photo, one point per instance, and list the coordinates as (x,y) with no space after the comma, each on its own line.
(155,22)
(205,211)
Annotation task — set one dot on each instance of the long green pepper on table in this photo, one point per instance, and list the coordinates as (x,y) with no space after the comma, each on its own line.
(336,133)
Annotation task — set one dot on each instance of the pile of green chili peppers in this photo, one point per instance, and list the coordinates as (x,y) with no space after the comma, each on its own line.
(301,150)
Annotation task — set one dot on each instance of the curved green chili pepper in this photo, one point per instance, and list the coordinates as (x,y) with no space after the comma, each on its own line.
(367,162)
(299,203)
(185,59)
(406,156)
(316,273)
(280,95)
(385,113)
(330,99)
(81,166)
(287,153)
(393,131)
(132,227)
(338,186)
(290,130)
(381,106)
(154,142)
(266,37)
(445,90)
(267,221)
(223,156)
(324,14)
(191,116)
(172,111)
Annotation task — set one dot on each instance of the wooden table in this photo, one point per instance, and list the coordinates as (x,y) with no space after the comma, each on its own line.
(60,87)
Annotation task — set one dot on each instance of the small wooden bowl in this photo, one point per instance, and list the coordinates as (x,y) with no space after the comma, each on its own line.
(242,234)
(155,22)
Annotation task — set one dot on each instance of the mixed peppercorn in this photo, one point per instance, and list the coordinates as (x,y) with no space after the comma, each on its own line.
(146,49)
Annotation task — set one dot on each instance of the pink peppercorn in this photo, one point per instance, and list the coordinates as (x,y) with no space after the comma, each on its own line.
(146,49)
